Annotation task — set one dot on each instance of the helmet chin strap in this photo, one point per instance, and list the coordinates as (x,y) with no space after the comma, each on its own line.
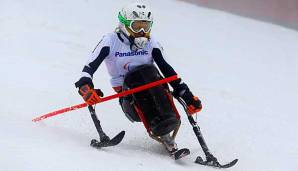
(135,43)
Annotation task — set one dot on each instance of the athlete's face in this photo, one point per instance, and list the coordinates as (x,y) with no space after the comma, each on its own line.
(140,34)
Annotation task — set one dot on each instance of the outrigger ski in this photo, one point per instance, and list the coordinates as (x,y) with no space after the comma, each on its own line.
(210,159)
(114,141)
(214,163)
(105,141)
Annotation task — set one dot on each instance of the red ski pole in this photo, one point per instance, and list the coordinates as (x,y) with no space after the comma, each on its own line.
(124,93)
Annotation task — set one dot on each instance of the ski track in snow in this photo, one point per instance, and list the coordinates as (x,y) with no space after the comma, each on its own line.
(245,72)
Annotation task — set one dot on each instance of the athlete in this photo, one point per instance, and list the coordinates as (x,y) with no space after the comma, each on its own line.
(128,47)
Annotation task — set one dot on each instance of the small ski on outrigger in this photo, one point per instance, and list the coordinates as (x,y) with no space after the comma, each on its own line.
(105,141)
(210,159)
(108,142)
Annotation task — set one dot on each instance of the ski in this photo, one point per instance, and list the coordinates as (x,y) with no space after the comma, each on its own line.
(114,141)
(214,163)
(180,153)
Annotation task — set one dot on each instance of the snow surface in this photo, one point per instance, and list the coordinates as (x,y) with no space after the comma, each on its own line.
(244,71)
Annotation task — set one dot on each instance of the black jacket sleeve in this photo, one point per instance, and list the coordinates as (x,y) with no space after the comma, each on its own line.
(90,68)
(167,70)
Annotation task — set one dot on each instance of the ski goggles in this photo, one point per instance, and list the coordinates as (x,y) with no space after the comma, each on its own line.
(140,25)
(136,26)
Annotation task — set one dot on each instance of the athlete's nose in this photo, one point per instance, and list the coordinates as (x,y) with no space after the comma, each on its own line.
(141,34)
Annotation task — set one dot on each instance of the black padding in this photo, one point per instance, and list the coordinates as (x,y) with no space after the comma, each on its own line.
(153,102)
(128,109)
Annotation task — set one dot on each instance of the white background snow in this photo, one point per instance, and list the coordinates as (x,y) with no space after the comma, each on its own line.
(245,72)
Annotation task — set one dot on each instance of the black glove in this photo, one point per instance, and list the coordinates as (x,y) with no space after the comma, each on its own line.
(193,103)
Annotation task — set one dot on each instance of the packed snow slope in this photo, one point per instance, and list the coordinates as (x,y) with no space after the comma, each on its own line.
(244,71)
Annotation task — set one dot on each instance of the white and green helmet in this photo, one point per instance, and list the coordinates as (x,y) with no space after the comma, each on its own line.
(136,18)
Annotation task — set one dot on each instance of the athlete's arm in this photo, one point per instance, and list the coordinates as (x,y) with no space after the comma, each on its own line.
(94,62)
(166,69)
